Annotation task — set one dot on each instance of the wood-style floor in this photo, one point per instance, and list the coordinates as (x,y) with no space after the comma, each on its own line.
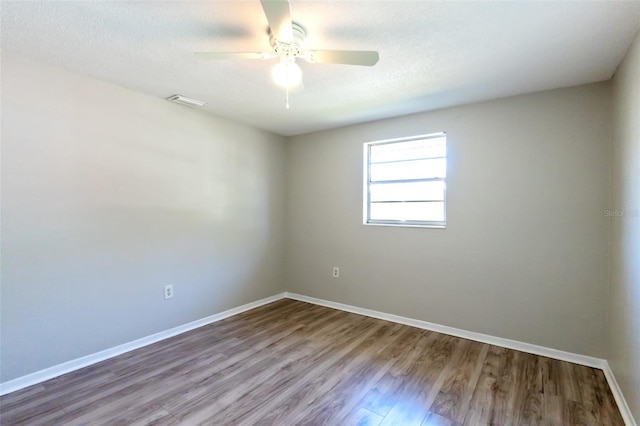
(293,363)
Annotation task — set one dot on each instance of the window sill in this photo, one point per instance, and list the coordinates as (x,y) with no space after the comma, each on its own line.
(405,225)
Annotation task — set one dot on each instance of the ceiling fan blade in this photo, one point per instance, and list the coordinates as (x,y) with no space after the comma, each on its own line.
(348,57)
(278,15)
(233,55)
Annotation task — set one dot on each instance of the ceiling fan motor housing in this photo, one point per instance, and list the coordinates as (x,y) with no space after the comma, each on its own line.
(291,50)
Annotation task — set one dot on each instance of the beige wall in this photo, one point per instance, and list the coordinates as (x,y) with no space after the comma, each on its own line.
(524,254)
(108,195)
(624,301)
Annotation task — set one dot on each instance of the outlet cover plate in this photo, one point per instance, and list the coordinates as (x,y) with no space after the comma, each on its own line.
(168,291)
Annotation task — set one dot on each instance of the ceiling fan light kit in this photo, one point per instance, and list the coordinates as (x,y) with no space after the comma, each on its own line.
(287,74)
(287,40)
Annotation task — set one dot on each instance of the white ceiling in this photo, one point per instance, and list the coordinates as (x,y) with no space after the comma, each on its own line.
(432,54)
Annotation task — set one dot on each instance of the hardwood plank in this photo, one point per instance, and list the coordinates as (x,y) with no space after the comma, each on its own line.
(341,398)
(526,396)
(567,377)
(575,414)
(424,384)
(553,410)
(587,389)
(434,419)
(232,393)
(242,351)
(380,398)
(268,389)
(157,417)
(608,411)
(24,399)
(374,396)
(384,394)
(42,414)
(22,394)
(455,395)
(290,402)
(406,412)
(489,401)
(550,376)
(291,362)
(52,399)
(504,395)
(229,375)
(363,417)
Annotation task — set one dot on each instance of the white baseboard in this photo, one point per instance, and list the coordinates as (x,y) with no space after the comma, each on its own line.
(69,366)
(452,331)
(619,397)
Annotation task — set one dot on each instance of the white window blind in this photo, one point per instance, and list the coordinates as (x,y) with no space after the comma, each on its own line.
(405,181)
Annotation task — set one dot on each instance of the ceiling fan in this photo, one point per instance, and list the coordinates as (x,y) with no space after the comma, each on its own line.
(287,40)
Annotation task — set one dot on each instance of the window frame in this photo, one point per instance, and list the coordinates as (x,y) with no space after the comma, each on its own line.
(367,182)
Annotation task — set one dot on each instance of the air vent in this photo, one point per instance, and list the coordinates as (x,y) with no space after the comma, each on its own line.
(183,100)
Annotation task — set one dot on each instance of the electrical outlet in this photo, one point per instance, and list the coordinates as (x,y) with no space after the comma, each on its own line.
(336,272)
(168,291)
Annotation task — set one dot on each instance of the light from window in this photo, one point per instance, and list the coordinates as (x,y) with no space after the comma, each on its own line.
(405,181)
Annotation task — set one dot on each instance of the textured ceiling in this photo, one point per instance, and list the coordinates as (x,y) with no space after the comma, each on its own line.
(432,54)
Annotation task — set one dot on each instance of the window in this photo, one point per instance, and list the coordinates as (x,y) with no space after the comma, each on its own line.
(405,181)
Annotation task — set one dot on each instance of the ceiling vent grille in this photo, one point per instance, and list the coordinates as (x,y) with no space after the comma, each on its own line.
(183,100)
